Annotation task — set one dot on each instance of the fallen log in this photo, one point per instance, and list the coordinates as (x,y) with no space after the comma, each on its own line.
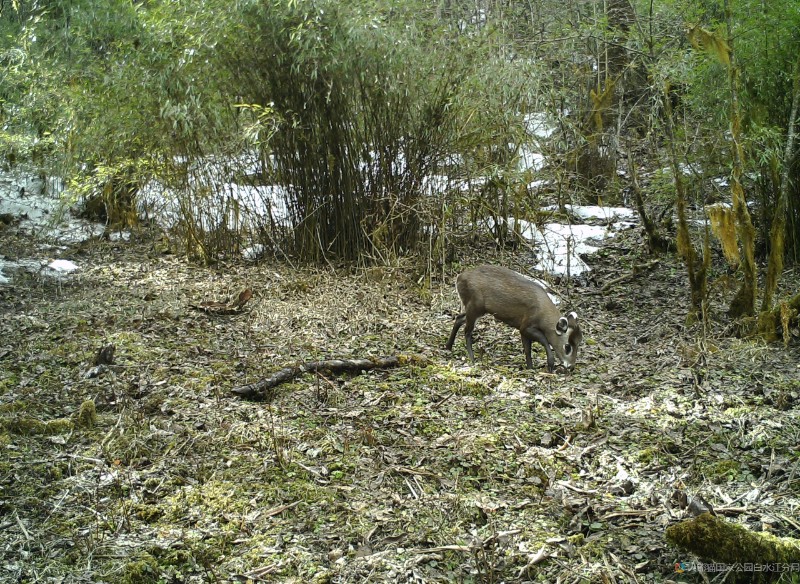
(749,556)
(260,389)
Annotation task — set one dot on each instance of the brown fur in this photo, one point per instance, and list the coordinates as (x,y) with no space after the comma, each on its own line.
(522,304)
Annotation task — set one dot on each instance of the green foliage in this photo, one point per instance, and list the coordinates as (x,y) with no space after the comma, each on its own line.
(766,46)
(363,107)
(351,106)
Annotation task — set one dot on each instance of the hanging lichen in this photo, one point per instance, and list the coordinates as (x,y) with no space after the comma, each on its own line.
(602,100)
(744,303)
(778,231)
(706,40)
(723,226)
(696,268)
(786,318)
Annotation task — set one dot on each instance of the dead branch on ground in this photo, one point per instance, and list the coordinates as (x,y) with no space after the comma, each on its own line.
(260,389)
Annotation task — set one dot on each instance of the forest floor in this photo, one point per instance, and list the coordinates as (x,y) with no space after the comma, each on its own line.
(437,472)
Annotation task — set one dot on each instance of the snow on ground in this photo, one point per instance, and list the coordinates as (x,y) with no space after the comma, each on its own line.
(241,205)
(540,124)
(559,246)
(530,159)
(587,212)
(62,266)
(37,204)
(605,213)
(439,183)
(48,268)
(38,207)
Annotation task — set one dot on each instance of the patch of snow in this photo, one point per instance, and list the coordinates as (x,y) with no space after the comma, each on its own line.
(22,197)
(453,160)
(435,183)
(688,169)
(119,236)
(561,246)
(253,252)
(262,201)
(584,212)
(536,184)
(597,212)
(530,159)
(62,266)
(52,269)
(39,206)
(539,124)
(439,183)
(158,203)
(235,203)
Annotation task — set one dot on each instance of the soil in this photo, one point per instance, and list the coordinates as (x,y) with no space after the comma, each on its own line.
(149,469)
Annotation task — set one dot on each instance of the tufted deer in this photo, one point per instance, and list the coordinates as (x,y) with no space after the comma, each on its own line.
(521,303)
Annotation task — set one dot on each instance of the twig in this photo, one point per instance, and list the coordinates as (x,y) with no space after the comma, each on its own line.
(260,389)
(280,509)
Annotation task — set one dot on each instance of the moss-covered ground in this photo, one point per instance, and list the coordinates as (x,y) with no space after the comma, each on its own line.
(149,470)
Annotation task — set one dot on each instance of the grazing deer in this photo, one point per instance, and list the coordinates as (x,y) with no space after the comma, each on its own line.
(519,302)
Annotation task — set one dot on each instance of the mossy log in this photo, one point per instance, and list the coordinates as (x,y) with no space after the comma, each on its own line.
(715,539)
(260,389)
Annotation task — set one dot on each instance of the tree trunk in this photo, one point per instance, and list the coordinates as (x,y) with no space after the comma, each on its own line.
(696,269)
(778,233)
(744,303)
(657,242)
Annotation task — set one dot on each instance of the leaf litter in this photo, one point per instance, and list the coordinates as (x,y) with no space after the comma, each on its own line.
(434,473)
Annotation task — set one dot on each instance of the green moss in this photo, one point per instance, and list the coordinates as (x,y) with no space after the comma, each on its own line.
(646,455)
(736,412)
(723,470)
(714,538)
(147,513)
(10,382)
(140,571)
(576,539)
(14,407)
(474,388)
(432,429)
(28,426)
(87,415)
(55,473)
(260,548)
(213,500)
